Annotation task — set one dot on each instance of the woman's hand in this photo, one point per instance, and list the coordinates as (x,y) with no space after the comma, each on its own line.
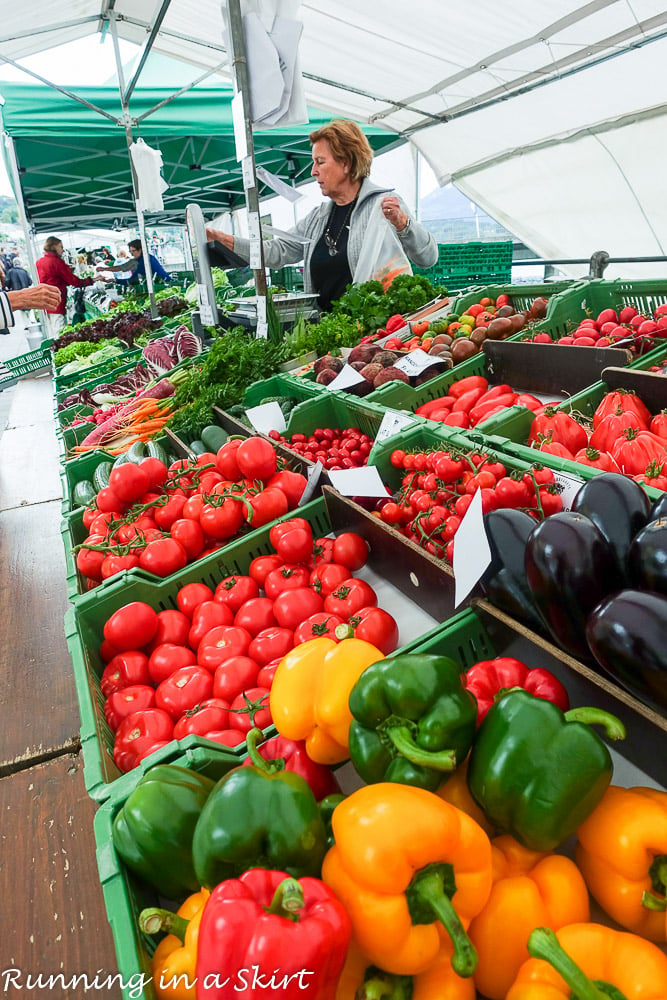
(393,213)
(224,238)
(34,297)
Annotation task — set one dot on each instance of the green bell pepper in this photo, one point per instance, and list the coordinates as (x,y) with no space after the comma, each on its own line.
(412,720)
(153,830)
(259,817)
(537,772)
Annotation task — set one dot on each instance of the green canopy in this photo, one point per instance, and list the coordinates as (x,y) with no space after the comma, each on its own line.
(74,163)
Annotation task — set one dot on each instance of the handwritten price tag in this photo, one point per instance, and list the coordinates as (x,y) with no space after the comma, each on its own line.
(345,378)
(472,554)
(568,487)
(267,417)
(418,361)
(392,423)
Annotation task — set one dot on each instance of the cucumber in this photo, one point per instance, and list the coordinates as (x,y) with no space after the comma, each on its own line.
(213,437)
(120,460)
(84,493)
(101,475)
(155,450)
(137,452)
(197,447)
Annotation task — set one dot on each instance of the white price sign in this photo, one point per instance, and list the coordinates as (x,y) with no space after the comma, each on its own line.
(267,417)
(472,554)
(568,487)
(205,310)
(363,482)
(346,377)
(314,473)
(392,423)
(418,361)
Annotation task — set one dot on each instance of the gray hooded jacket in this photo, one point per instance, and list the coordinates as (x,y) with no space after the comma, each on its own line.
(419,245)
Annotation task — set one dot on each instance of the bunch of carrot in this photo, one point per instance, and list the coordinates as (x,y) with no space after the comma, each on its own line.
(139,420)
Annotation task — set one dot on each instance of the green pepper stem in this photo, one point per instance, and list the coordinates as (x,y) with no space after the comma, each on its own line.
(287,900)
(427,889)
(544,944)
(385,986)
(153,920)
(443,760)
(658,873)
(613,726)
(653,902)
(268,766)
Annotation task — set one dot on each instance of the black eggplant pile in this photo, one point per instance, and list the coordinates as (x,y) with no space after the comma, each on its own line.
(594,579)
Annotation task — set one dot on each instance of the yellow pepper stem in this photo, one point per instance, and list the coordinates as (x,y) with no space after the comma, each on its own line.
(429,897)
(287,900)
(154,920)
(441,760)
(544,944)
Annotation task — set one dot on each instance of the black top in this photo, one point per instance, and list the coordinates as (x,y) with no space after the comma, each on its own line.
(330,273)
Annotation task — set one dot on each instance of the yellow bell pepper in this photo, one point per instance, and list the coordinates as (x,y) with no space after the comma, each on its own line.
(622,854)
(174,960)
(412,871)
(576,960)
(438,982)
(455,791)
(310,693)
(530,889)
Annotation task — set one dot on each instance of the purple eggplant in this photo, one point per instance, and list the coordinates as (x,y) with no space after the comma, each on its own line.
(647,558)
(619,507)
(570,568)
(627,634)
(504,583)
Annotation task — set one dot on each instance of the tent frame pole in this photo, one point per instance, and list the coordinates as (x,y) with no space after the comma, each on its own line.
(18,193)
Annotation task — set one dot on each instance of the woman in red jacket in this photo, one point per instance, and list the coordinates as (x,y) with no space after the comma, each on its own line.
(53,270)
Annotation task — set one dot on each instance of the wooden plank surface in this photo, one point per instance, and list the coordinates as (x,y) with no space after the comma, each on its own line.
(53,915)
(37,691)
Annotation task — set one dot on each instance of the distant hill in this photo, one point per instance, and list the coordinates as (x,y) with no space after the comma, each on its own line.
(7,201)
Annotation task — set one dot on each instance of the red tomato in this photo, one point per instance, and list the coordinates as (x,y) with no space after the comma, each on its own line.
(267,673)
(168,512)
(323,550)
(234,676)
(285,578)
(172,626)
(132,626)
(375,626)
(89,561)
(293,606)
(120,704)
(114,564)
(210,715)
(220,644)
(596,459)
(163,557)
(270,644)
(137,733)
(292,485)
(255,615)
(261,566)
(129,481)
(167,658)
(222,519)
(234,591)
(108,502)
(265,506)
(227,737)
(182,690)
(350,597)
(292,540)
(226,460)
(558,427)
(155,470)
(124,670)
(316,626)
(89,515)
(636,450)
(256,458)
(239,717)
(658,425)
(208,615)
(351,550)
(189,534)
(107,651)
(191,595)
(326,577)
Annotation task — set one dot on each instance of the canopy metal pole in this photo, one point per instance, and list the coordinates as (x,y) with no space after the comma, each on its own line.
(15,177)
(242,96)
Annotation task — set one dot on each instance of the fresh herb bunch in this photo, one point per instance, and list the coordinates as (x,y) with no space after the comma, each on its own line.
(73,351)
(326,337)
(372,306)
(235,361)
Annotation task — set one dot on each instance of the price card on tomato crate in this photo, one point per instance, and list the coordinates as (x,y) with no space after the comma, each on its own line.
(364,482)
(472,554)
(267,417)
(313,478)
(418,361)
(346,377)
(568,487)
(392,423)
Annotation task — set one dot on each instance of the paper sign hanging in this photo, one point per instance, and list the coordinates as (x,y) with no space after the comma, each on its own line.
(392,423)
(238,121)
(365,482)
(568,487)
(267,417)
(418,361)
(472,554)
(314,473)
(346,377)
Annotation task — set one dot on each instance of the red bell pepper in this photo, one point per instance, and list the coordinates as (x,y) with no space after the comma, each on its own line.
(394,323)
(268,934)
(489,678)
(482,410)
(290,755)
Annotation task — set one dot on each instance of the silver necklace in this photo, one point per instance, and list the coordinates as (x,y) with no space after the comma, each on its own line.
(330,241)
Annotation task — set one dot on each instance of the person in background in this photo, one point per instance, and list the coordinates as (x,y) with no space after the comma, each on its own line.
(53,270)
(137,265)
(334,232)
(16,276)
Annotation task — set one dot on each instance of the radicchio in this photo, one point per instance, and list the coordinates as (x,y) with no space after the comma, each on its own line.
(187,344)
(157,357)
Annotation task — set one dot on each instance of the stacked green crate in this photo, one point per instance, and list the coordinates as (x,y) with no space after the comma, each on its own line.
(463,264)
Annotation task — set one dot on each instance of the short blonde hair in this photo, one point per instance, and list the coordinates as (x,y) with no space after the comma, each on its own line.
(51,243)
(348,145)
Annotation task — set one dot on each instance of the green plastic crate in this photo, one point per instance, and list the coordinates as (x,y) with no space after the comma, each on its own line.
(62,394)
(74,378)
(125,894)
(400,396)
(281,385)
(461,264)
(84,623)
(336,410)
(521,296)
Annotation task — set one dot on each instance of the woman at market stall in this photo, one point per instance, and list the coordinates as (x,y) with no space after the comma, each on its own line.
(53,270)
(137,265)
(330,239)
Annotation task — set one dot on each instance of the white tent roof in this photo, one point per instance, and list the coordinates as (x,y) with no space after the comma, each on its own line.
(550,114)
